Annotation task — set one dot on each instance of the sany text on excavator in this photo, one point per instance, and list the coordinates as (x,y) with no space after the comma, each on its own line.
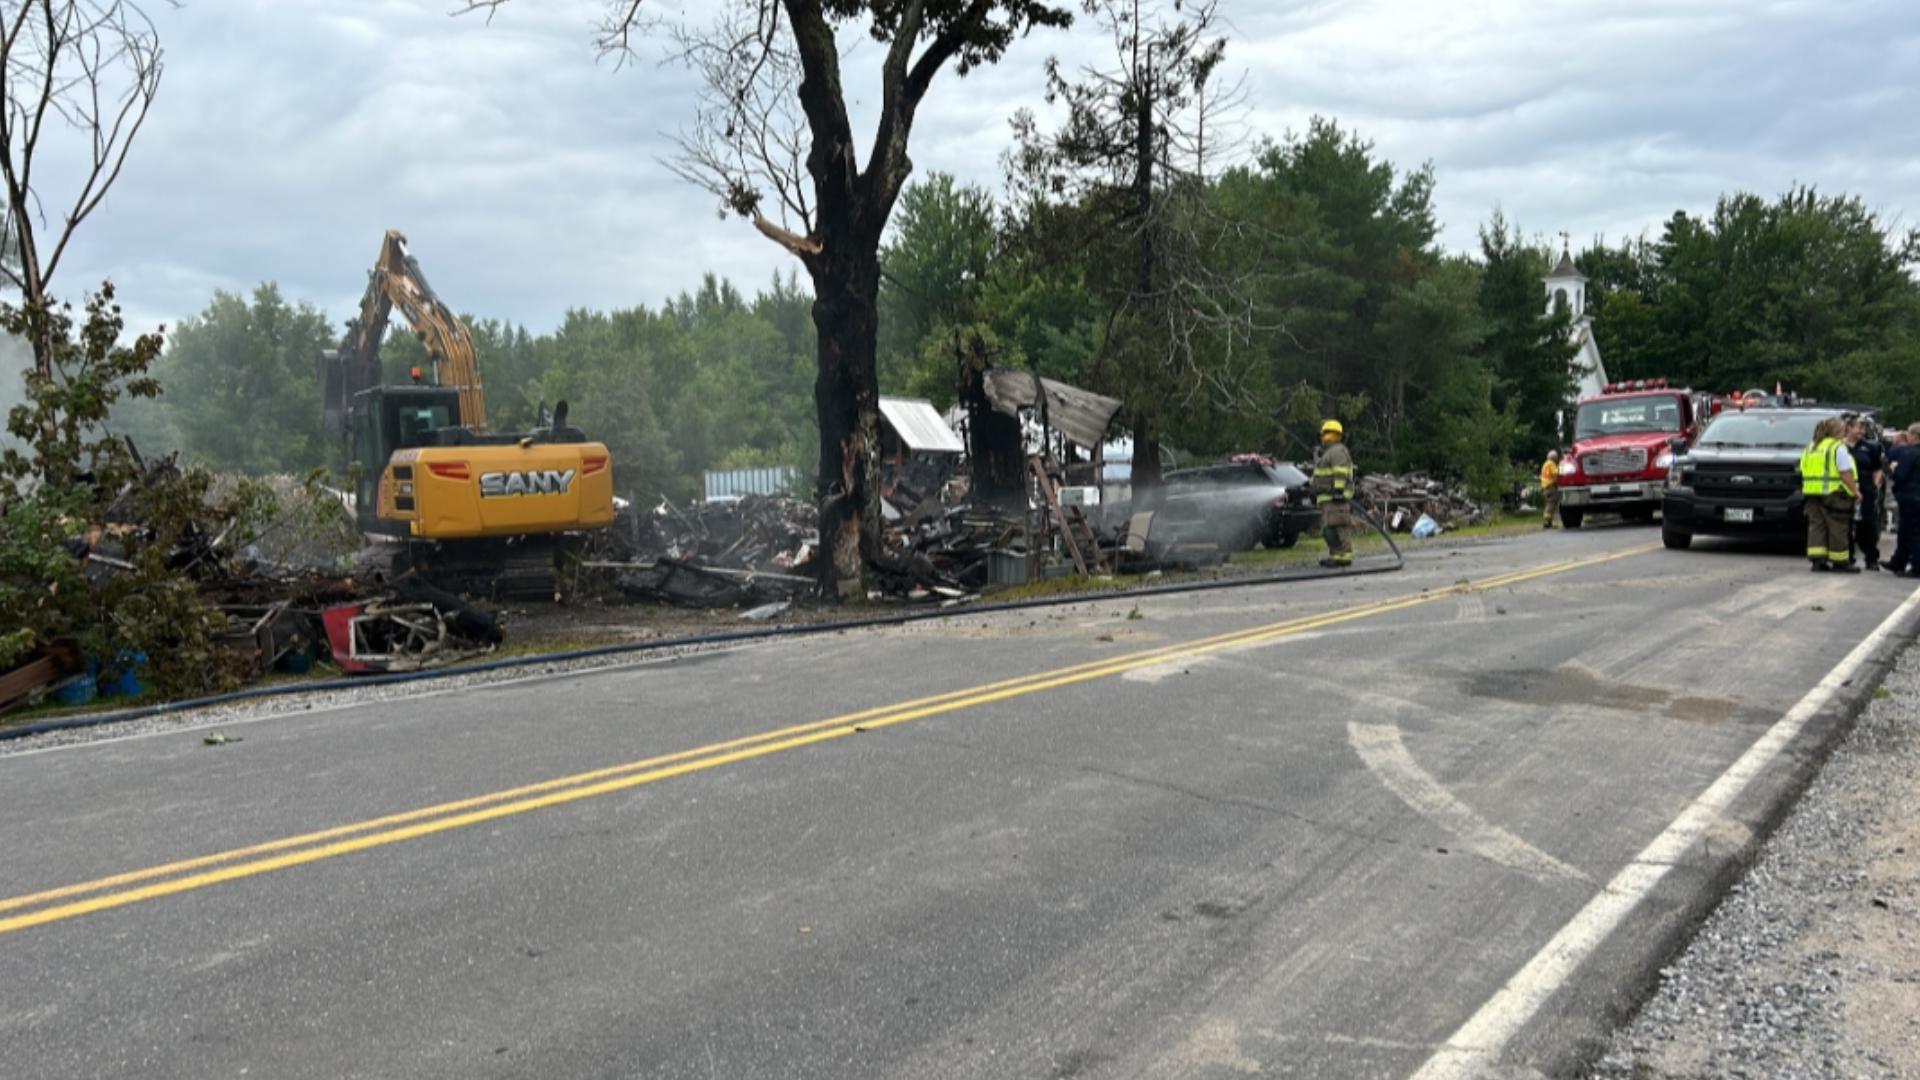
(478,510)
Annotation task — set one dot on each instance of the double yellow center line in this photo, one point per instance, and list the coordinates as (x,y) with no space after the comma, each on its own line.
(119,890)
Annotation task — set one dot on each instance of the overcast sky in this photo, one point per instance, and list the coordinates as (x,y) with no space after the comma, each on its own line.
(290,133)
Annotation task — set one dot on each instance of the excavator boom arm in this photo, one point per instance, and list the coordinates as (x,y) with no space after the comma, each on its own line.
(397,282)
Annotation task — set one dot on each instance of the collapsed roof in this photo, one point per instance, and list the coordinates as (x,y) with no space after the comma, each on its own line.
(1081,415)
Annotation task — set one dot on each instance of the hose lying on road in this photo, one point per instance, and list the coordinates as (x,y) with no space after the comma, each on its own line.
(728,637)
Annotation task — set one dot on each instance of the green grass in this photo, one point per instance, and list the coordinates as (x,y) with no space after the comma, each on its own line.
(542,646)
(1060,586)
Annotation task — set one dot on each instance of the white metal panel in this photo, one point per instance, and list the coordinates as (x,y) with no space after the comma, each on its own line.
(919,426)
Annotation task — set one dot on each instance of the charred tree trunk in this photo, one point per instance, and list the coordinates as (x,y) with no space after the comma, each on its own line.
(759,58)
(1146,455)
(846,394)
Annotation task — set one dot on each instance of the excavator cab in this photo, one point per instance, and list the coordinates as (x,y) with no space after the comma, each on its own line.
(382,420)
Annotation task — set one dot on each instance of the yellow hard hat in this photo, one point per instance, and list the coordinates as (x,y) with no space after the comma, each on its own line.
(1333,426)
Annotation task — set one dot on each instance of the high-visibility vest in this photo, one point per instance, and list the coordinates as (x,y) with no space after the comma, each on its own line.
(1549,475)
(1819,468)
(1333,475)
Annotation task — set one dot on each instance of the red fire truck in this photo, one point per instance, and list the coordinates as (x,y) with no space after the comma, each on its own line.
(1623,439)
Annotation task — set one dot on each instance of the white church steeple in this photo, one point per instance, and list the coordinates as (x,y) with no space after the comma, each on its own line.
(1567,285)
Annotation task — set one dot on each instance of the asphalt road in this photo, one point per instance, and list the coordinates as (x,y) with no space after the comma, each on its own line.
(1441,822)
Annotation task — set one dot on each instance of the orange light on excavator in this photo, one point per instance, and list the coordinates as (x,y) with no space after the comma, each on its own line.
(450,470)
(415,372)
(591,465)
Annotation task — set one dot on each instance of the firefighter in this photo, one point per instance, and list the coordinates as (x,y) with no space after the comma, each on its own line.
(1829,493)
(1333,492)
(1550,488)
(1903,465)
(1869,463)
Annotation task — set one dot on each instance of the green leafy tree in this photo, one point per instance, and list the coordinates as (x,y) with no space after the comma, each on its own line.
(1527,348)
(1812,291)
(932,270)
(242,391)
(1121,189)
(71,485)
(1360,242)
(617,373)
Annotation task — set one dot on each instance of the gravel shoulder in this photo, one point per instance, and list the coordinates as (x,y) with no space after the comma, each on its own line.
(1810,967)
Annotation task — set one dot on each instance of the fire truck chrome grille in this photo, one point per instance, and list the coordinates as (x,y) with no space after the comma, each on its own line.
(1601,462)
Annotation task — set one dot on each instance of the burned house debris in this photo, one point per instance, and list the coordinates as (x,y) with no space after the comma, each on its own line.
(993,503)
(919,458)
(257,566)
(1013,485)
(1036,446)
(1400,501)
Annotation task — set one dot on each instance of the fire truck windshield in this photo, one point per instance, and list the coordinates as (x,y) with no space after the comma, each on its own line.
(1625,416)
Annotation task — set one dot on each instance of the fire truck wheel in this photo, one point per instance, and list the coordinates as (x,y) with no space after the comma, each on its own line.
(1570,516)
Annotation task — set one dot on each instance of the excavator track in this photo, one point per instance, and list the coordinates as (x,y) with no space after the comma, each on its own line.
(525,568)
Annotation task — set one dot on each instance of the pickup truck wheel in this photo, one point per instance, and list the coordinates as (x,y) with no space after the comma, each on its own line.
(1570,516)
(1281,539)
(1675,539)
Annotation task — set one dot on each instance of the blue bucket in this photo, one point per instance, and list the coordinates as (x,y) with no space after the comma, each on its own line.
(127,669)
(80,691)
(298,661)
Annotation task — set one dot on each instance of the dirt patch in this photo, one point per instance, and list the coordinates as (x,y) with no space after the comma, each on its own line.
(1572,686)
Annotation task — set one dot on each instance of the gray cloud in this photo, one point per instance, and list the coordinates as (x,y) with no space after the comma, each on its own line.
(1604,119)
(290,133)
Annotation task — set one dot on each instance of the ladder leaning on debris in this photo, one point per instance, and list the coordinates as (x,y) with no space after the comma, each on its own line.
(1081,543)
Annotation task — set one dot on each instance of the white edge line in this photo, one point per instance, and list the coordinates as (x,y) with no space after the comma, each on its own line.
(1481,1040)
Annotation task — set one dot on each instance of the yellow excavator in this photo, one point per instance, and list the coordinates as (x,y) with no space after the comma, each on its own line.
(477,510)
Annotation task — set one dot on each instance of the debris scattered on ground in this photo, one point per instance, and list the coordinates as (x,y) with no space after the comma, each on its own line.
(675,581)
(1400,501)
(767,611)
(745,552)
(282,563)
(415,627)
(41,673)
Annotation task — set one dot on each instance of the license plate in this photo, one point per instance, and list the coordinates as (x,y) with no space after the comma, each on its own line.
(1738,514)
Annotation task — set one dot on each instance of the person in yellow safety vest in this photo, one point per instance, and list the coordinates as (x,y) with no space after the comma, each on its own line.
(1550,488)
(1333,492)
(1829,492)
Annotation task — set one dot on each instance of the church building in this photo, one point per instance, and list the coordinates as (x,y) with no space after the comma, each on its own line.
(1567,289)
